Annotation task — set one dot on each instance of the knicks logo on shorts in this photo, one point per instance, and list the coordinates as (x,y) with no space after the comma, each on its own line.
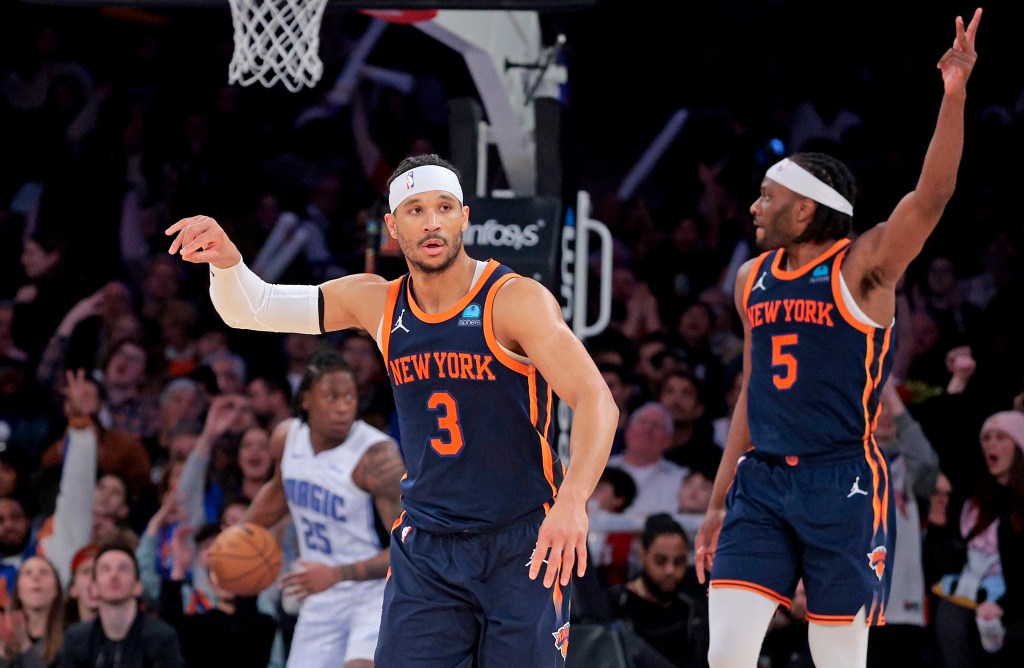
(405,532)
(876,560)
(562,639)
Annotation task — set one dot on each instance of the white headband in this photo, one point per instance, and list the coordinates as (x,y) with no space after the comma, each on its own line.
(422,179)
(787,173)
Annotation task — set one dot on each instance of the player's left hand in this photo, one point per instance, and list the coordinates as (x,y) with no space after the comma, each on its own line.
(561,543)
(310,578)
(958,61)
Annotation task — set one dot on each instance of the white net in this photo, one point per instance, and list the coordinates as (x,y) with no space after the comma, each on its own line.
(276,40)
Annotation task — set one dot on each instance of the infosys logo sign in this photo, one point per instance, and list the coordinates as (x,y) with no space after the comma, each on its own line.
(493,233)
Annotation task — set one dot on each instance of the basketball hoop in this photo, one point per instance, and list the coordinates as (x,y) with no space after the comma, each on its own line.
(277,40)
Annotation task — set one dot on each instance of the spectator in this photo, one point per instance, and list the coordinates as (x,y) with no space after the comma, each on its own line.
(942,552)
(121,636)
(177,324)
(229,369)
(692,438)
(271,398)
(14,477)
(692,337)
(118,453)
(299,349)
(611,533)
(695,492)
(127,406)
(16,545)
(648,436)
(32,629)
(652,603)
(376,401)
(992,524)
(232,633)
(87,331)
(80,605)
(45,297)
(182,401)
(649,369)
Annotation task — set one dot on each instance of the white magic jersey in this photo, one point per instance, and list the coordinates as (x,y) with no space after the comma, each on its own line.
(334,519)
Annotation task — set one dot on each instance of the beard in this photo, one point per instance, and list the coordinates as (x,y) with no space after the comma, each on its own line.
(657,592)
(454,247)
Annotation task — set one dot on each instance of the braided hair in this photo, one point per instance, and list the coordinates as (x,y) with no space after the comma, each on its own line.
(828,224)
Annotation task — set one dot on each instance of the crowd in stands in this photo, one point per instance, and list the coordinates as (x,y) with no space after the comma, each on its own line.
(134,425)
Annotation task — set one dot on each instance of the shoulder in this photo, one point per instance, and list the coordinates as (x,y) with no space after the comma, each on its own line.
(280,434)
(361,297)
(522,301)
(367,430)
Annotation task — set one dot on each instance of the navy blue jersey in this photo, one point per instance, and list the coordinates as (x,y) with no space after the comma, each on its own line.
(474,420)
(816,371)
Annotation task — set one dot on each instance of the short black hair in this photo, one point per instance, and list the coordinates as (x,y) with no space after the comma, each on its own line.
(423,160)
(661,524)
(116,546)
(622,484)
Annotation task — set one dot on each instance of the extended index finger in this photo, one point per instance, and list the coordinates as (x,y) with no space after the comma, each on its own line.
(965,36)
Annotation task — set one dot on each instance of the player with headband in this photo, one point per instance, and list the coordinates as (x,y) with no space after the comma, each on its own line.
(494,524)
(803,489)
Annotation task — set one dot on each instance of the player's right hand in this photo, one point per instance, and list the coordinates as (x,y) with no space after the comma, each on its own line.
(707,542)
(202,239)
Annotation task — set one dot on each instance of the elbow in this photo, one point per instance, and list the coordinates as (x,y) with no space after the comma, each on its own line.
(937,196)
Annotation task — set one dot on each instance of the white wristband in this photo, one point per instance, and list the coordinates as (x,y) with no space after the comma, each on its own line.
(246,301)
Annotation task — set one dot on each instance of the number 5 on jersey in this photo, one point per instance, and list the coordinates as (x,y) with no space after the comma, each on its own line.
(447,409)
(787,361)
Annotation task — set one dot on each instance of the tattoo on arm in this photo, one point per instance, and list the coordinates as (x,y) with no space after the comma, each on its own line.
(380,473)
(371,569)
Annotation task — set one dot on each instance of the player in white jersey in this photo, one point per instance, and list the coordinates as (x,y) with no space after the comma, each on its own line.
(334,471)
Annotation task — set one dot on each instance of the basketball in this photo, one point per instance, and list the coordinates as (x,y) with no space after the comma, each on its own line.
(245,558)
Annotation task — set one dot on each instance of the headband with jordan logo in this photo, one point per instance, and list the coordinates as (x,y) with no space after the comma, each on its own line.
(423,179)
(787,173)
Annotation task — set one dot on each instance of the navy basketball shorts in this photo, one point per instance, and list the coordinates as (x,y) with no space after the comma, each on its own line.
(826,519)
(457,600)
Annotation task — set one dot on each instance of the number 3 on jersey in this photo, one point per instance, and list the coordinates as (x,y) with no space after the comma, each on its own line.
(787,361)
(447,409)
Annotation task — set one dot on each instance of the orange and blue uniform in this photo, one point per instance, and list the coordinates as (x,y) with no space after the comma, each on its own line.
(475,422)
(812,498)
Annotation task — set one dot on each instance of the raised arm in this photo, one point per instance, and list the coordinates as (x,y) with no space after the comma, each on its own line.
(885,251)
(246,301)
(736,443)
(528,320)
